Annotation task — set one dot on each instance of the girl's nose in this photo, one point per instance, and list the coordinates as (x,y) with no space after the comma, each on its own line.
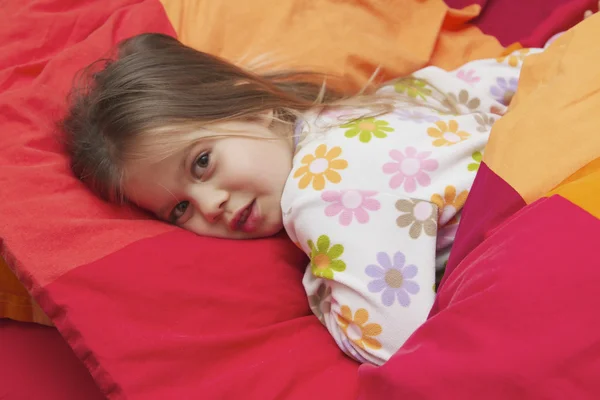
(211,202)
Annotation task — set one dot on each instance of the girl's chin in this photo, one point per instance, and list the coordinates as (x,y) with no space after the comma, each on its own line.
(264,233)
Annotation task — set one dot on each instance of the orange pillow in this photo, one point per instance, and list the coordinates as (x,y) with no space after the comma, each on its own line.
(15,302)
(345,38)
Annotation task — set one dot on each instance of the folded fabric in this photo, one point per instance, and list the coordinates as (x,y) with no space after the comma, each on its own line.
(530,23)
(155,312)
(349,38)
(38,364)
(436,35)
(515,315)
(152,311)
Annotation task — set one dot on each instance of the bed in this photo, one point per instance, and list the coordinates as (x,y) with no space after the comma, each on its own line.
(102,302)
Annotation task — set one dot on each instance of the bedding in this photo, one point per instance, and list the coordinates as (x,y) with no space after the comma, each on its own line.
(150,310)
(346,38)
(516,312)
(38,364)
(532,26)
(443,39)
(154,312)
(531,22)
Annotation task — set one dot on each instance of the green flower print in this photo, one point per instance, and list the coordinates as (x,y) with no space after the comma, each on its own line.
(413,87)
(366,128)
(474,166)
(324,258)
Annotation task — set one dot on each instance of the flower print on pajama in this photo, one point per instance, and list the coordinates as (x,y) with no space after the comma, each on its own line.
(375,199)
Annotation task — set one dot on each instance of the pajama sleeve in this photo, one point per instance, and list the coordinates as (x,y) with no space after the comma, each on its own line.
(375,201)
(369,282)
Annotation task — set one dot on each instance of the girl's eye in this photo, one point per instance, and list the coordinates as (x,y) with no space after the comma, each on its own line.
(203,161)
(178,211)
(201,164)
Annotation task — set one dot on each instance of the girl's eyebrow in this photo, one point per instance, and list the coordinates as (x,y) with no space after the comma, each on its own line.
(187,150)
(186,154)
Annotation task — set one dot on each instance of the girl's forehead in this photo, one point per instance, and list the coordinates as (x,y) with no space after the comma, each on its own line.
(176,141)
(165,143)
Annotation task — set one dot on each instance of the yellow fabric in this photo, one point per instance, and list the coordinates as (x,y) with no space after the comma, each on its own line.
(583,188)
(511,48)
(551,128)
(15,301)
(345,38)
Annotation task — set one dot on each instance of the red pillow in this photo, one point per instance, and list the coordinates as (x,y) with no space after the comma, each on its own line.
(516,314)
(38,364)
(154,312)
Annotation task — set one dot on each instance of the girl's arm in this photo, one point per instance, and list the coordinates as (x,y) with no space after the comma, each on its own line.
(375,202)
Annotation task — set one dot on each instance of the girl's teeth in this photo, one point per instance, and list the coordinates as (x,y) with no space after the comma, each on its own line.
(243,217)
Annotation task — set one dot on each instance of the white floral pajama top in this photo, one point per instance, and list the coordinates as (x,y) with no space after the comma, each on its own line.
(375,201)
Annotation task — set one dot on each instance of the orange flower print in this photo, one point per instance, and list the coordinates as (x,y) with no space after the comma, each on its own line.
(447,134)
(358,330)
(450,204)
(320,167)
(514,58)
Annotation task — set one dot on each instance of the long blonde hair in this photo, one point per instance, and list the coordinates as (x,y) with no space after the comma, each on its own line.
(153,82)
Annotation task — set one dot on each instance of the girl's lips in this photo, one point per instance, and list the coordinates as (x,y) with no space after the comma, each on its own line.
(246,219)
(253,219)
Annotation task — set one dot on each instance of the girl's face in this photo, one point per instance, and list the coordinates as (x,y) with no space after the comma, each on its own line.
(227,187)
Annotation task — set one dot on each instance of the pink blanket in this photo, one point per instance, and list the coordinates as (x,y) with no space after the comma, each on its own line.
(530,22)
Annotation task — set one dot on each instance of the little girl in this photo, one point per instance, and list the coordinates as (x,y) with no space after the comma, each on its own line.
(370,187)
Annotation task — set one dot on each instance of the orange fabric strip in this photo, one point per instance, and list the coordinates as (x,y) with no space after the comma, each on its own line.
(348,39)
(550,130)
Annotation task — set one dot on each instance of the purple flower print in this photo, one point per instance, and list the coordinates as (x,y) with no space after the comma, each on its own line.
(415,116)
(350,204)
(393,278)
(505,89)
(409,168)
